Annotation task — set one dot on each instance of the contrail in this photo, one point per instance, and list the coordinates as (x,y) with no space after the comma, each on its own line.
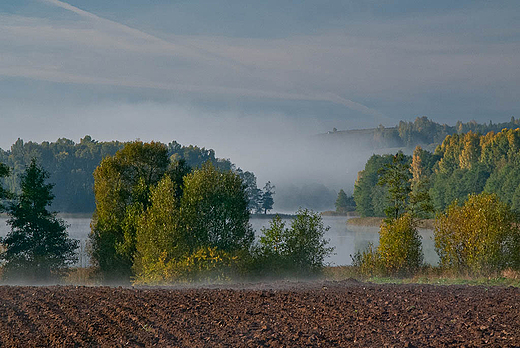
(200,54)
(180,49)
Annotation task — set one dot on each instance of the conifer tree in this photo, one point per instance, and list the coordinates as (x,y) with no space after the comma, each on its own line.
(37,247)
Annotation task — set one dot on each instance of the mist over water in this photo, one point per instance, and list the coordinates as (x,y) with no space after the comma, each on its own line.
(306,169)
(346,239)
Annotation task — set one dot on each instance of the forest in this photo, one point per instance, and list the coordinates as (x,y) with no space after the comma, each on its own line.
(423,131)
(157,220)
(462,164)
(71,166)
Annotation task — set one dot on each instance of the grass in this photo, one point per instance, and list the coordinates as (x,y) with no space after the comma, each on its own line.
(429,275)
(376,222)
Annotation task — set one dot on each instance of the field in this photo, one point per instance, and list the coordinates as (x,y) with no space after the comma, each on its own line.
(277,314)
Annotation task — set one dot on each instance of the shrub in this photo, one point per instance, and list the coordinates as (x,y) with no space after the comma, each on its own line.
(368,261)
(400,247)
(206,264)
(300,249)
(399,251)
(480,237)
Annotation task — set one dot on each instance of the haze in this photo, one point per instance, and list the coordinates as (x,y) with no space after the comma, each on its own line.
(254,80)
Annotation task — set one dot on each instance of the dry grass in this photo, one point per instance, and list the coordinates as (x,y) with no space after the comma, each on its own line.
(82,276)
(427,275)
(376,221)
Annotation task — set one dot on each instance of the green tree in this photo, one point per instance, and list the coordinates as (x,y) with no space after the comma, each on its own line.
(4,194)
(37,247)
(214,210)
(254,194)
(366,191)
(267,197)
(300,249)
(122,189)
(342,202)
(396,176)
(160,240)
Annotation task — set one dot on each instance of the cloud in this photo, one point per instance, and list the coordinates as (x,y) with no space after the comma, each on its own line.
(379,69)
(151,62)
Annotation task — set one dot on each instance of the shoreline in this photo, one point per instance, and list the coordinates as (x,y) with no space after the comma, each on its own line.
(374,221)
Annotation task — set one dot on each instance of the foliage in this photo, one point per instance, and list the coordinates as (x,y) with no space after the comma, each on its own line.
(400,249)
(70,166)
(267,197)
(4,194)
(159,237)
(254,194)
(396,176)
(419,200)
(463,164)
(399,252)
(300,249)
(365,188)
(344,203)
(122,188)
(205,264)
(368,262)
(214,210)
(37,248)
(480,237)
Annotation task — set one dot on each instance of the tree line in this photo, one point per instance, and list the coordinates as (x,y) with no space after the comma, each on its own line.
(463,164)
(157,220)
(71,166)
(422,131)
(477,235)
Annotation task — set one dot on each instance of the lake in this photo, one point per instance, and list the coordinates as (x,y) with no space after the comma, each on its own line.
(344,238)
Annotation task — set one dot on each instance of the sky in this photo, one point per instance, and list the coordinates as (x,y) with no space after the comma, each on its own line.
(252,79)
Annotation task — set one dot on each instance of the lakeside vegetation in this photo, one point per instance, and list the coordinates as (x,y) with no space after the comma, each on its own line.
(158,220)
(463,164)
(71,166)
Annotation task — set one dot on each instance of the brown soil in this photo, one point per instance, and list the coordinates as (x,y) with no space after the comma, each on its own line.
(281,314)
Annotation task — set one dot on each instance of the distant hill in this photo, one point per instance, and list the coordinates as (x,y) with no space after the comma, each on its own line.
(408,135)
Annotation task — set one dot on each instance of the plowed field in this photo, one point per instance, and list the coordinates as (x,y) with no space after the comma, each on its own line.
(284,314)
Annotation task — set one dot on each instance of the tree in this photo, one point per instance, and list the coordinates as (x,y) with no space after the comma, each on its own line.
(159,239)
(267,197)
(480,237)
(366,190)
(214,210)
(300,249)
(37,247)
(4,194)
(420,202)
(341,202)
(122,185)
(254,194)
(396,176)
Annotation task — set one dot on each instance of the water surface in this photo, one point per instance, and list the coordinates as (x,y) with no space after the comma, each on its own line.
(346,239)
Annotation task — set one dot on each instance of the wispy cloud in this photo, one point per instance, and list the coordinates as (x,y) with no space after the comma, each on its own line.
(186,67)
(373,67)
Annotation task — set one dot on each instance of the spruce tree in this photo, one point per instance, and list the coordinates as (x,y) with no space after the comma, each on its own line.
(37,248)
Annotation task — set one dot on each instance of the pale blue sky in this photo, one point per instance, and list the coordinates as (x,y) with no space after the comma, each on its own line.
(201,71)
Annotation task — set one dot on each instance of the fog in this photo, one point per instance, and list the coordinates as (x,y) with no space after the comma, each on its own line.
(283,149)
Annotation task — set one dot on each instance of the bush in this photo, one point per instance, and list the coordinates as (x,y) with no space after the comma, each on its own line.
(399,251)
(206,264)
(400,247)
(299,250)
(480,237)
